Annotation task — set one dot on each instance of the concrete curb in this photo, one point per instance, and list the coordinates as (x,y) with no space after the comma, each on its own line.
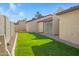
(14,46)
(61,40)
(6,47)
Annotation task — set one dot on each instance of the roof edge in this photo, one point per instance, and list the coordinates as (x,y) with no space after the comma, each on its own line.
(68,10)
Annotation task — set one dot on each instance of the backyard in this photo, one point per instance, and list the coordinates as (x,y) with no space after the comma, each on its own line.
(33,44)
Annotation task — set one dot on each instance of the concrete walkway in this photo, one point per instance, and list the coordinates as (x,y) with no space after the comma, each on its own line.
(3,51)
(11,43)
(14,46)
(61,40)
(52,36)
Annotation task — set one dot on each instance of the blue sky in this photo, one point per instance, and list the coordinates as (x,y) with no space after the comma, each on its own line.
(16,11)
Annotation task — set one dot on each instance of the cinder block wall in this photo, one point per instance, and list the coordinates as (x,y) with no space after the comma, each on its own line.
(12,29)
(31,26)
(4,31)
(2,34)
(7,29)
(21,26)
(3,51)
(2,25)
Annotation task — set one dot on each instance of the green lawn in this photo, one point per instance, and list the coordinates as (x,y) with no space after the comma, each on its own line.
(32,44)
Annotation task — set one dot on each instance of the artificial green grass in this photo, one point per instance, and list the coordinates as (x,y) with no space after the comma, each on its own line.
(33,44)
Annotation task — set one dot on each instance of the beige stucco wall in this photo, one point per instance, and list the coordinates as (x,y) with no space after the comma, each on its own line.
(16,28)
(55,25)
(21,26)
(37,26)
(69,26)
(5,27)
(40,26)
(31,26)
(7,30)
(4,34)
(2,25)
(12,29)
(3,51)
(7,35)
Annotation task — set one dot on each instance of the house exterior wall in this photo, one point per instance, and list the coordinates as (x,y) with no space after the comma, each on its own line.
(40,26)
(48,27)
(33,26)
(55,25)
(69,26)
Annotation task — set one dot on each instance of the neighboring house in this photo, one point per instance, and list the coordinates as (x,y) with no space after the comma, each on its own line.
(6,32)
(20,26)
(69,25)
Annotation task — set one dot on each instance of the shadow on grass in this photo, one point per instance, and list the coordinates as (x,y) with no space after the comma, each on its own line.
(52,48)
(26,41)
(55,48)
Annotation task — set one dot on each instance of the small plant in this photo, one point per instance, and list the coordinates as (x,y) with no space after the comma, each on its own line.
(8,44)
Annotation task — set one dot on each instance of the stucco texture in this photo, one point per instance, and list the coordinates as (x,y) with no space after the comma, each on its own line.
(69,26)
